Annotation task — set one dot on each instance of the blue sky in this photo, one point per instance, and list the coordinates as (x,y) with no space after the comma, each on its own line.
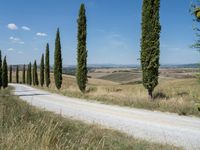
(113,30)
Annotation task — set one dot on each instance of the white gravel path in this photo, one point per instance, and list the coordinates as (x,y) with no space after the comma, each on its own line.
(152,126)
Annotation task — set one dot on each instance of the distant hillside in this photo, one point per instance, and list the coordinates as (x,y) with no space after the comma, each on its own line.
(70,69)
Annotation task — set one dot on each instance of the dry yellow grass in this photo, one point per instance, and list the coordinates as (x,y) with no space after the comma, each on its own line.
(25,127)
(180,96)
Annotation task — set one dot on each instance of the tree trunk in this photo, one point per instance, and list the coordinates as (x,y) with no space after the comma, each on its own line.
(150,94)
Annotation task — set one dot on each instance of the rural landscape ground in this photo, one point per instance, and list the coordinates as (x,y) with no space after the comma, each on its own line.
(177,92)
(110,86)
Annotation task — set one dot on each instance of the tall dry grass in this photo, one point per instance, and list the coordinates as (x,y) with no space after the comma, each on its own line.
(24,127)
(180,96)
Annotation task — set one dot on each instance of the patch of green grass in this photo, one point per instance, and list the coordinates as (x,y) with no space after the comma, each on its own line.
(24,127)
(121,76)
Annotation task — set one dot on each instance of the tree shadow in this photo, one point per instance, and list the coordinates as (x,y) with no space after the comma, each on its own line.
(160,95)
(182,94)
(32,94)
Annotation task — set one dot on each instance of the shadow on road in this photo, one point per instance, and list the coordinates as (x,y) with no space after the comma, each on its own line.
(33,94)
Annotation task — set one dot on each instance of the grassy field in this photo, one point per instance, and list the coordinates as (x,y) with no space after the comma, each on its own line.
(178,90)
(25,127)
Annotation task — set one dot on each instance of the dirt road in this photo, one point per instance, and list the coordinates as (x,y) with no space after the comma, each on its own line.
(152,126)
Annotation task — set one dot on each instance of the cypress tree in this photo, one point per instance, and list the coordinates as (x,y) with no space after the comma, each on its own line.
(0,70)
(47,67)
(36,82)
(24,74)
(81,72)
(5,74)
(58,61)
(33,74)
(42,71)
(150,44)
(10,74)
(30,74)
(27,75)
(17,74)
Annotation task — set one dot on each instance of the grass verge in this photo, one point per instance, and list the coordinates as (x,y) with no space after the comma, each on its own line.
(179,96)
(24,127)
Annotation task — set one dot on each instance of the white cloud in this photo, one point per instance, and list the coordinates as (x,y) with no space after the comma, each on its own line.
(10,49)
(41,34)
(25,28)
(16,40)
(12,26)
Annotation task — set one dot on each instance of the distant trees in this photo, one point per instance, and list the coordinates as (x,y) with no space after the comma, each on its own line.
(81,72)
(35,74)
(47,66)
(150,44)
(5,74)
(24,74)
(29,74)
(0,70)
(42,71)
(58,61)
(17,74)
(10,75)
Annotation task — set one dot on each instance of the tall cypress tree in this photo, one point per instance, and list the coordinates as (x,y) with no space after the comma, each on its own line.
(0,70)
(150,44)
(47,67)
(27,75)
(58,61)
(42,71)
(24,74)
(5,74)
(36,82)
(33,74)
(17,74)
(10,74)
(30,74)
(81,72)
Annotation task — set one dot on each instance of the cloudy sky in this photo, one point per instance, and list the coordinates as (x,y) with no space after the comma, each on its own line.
(113,30)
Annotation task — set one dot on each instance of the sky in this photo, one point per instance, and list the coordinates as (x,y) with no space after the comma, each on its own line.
(113,26)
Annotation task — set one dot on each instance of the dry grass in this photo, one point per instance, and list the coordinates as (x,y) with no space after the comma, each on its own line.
(180,96)
(25,127)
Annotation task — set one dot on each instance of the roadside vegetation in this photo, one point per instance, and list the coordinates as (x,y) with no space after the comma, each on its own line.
(24,127)
(177,92)
(179,96)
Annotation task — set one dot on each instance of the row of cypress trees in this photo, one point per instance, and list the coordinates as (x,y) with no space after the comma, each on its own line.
(3,72)
(31,77)
(150,51)
(81,71)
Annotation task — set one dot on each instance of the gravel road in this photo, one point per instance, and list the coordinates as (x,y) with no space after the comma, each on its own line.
(153,126)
